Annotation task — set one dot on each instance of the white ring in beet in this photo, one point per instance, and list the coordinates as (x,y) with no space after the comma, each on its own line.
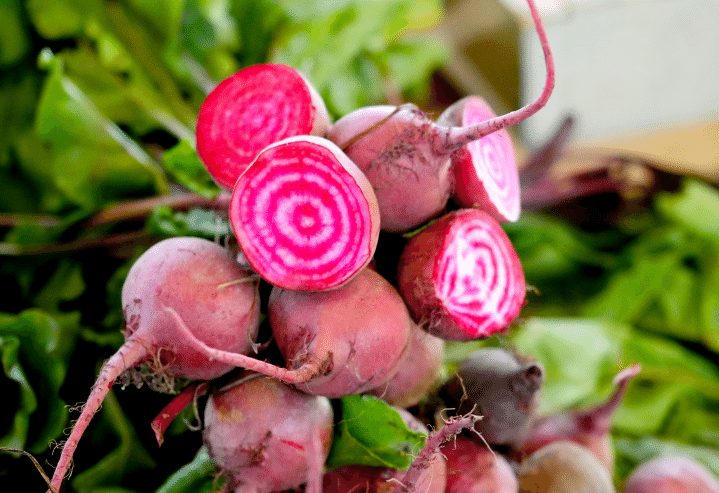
(461,277)
(248,111)
(304,215)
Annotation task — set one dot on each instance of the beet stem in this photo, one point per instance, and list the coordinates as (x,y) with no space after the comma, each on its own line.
(457,137)
(303,374)
(129,355)
(163,420)
(451,429)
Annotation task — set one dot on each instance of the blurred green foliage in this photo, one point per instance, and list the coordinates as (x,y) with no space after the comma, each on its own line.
(98,101)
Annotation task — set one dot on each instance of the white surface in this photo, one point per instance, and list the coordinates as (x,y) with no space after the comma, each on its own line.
(623,65)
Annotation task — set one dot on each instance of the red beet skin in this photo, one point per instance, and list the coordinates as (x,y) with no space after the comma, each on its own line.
(266,436)
(304,215)
(485,170)
(250,110)
(394,148)
(473,468)
(461,278)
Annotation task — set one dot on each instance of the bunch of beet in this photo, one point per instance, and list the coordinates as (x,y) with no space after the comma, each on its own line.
(308,201)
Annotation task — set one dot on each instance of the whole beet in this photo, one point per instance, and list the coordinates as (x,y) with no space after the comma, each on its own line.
(267,436)
(564,467)
(671,473)
(361,330)
(180,286)
(473,468)
(502,388)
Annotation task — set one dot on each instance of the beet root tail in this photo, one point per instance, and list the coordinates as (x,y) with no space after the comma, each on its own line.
(130,354)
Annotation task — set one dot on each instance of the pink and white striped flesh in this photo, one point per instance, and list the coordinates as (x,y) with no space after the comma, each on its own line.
(248,111)
(485,170)
(304,215)
(407,156)
(461,277)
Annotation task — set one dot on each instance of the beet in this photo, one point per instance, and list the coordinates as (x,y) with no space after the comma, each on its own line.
(671,473)
(485,171)
(474,468)
(335,343)
(190,280)
(248,111)
(564,467)
(461,277)
(304,215)
(500,387)
(406,156)
(266,436)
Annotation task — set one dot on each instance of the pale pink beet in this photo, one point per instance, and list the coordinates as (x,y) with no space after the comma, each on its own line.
(361,330)
(248,111)
(335,343)
(409,190)
(461,277)
(188,279)
(485,171)
(671,473)
(420,371)
(267,436)
(473,468)
(407,156)
(564,467)
(304,215)
(590,428)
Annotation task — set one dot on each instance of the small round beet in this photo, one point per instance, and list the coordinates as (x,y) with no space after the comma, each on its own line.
(500,387)
(180,289)
(267,436)
(473,468)
(671,473)
(304,215)
(564,467)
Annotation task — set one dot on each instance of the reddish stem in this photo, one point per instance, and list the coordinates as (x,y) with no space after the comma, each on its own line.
(457,137)
(451,429)
(163,420)
(305,373)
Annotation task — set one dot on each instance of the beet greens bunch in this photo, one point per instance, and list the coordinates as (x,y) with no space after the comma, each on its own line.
(308,202)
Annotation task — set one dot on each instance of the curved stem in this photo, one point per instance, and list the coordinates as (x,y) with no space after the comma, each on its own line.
(422,462)
(130,354)
(455,138)
(314,367)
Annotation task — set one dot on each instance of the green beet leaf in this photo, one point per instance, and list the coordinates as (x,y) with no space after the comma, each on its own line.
(372,433)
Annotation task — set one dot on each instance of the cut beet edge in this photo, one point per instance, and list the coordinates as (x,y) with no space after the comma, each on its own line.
(485,171)
(250,110)
(304,215)
(461,277)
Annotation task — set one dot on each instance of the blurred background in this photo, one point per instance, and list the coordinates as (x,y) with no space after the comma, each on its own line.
(619,236)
